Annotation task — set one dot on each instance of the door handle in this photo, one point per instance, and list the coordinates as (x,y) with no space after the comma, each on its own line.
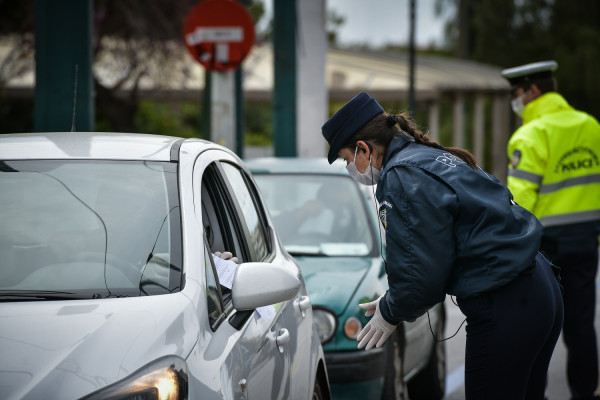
(303,304)
(282,339)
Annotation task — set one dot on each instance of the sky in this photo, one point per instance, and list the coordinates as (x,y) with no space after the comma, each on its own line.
(377,22)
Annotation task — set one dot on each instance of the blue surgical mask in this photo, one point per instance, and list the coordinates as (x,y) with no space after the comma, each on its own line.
(371,175)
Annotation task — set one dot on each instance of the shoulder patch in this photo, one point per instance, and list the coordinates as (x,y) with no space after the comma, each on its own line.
(515,159)
(449,160)
(383,217)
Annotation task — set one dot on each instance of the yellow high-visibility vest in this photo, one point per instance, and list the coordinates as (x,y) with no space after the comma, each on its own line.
(554,168)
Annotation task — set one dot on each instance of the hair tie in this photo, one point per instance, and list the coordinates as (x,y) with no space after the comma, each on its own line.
(391,120)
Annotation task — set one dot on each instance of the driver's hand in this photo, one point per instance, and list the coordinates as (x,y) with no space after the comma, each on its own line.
(226,255)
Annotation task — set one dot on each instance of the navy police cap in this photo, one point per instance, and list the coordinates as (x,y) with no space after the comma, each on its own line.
(347,121)
(522,74)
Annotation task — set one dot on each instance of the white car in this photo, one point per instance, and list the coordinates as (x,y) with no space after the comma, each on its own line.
(110,286)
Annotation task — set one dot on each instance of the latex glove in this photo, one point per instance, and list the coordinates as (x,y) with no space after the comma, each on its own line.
(226,255)
(378,330)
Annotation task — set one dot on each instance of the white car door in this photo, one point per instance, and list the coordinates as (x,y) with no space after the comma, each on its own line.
(257,365)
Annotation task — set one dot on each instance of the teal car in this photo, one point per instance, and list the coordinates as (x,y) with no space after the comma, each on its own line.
(328,222)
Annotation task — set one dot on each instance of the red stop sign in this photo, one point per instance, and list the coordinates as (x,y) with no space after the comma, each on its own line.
(219,34)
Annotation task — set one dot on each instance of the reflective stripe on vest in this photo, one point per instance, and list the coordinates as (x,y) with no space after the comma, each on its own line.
(553,187)
(580,180)
(572,218)
(528,176)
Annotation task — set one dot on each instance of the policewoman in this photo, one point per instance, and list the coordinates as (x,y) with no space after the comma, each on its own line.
(554,172)
(453,229)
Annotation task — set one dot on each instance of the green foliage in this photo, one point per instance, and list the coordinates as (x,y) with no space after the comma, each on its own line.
(258,124)
(16,115)
(164,118)
(511,33)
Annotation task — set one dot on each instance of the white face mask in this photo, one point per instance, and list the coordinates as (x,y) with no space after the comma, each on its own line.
(370,176)
(517,105)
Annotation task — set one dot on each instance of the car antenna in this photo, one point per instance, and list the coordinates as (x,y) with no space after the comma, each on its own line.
(74,99)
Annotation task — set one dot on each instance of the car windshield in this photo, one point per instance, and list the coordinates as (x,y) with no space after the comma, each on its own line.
(319,214)
(88,229)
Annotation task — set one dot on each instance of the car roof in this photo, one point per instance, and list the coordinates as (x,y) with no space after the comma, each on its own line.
(270,165)
(89,145)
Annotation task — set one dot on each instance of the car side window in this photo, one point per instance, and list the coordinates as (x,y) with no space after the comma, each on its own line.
(254,221)
(214,299)
(221,225)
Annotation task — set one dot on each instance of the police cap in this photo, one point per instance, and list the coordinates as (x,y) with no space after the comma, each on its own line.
(347,121)
(523,74)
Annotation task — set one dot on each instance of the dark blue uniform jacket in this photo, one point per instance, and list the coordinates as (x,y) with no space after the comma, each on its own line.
(449,229)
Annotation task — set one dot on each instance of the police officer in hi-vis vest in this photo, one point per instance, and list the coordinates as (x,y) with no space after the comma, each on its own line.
(554,172)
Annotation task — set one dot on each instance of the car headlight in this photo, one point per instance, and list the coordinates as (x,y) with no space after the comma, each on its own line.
(326,323)
(352,327)
(163,379)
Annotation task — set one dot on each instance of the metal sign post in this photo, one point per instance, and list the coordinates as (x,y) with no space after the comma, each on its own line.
(219,35)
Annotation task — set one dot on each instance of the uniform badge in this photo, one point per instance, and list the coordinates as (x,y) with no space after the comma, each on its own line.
(383,217)
(516,158)
(449,159)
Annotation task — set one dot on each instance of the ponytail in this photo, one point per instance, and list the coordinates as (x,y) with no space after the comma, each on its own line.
(382,128)
(409,127)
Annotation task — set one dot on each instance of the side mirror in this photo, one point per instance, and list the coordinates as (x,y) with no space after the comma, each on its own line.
(262,284)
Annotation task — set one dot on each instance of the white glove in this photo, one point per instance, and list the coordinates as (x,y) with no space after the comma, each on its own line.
(378,330)
(227,256)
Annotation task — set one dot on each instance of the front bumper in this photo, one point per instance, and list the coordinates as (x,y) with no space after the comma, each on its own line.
(356,366)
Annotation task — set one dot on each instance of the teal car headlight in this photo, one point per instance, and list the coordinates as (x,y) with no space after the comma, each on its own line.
(326,323)
(352,327)
(163,379)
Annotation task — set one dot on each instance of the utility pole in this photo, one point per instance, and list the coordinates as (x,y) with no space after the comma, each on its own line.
(63,52)
(411,56)
(284,91)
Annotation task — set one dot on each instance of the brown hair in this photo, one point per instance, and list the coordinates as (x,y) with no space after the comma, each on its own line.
(545,84)
(381,130)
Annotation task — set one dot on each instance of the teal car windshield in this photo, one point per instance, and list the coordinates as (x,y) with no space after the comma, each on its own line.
(88,229)
(319,215)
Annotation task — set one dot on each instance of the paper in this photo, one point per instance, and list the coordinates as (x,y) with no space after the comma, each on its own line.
(226,272)
(266,312)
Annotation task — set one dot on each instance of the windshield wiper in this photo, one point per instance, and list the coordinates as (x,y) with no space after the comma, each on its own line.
(36,295)
(307,254)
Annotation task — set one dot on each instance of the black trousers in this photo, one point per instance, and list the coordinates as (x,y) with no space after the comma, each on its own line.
(578,273)
(511,334)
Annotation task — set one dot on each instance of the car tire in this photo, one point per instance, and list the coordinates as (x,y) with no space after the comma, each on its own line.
(394,387)
(317,392)
(430,383)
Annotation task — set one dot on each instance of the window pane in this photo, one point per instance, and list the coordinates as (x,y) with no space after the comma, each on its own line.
(95,228)
(319,214)
(254,229)
(212,290)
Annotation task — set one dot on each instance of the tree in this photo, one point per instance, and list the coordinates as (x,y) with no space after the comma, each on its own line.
(510,33)
(133,40)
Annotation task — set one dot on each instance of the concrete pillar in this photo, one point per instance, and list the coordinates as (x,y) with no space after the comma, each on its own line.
(434,120)
(478,128)
(458,121)
(500,135)
(312,94)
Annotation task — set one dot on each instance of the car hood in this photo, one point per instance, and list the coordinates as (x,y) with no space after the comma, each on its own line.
(333,281)
(67,349)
